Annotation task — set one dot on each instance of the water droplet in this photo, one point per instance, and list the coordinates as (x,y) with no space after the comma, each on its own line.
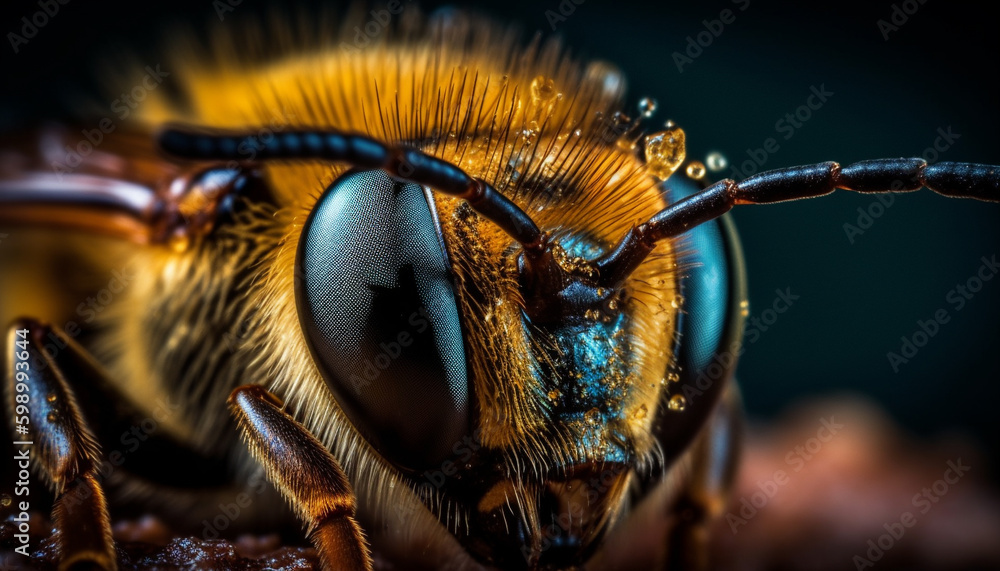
(613,304)
(52,416)
(677,301)
(577,132)
(716,161)
(696,170)
(554,394)
(608,76)
(673,377)
(744,308)
(543,89)
(665,152)
(677,403)
(593,416)
(51,397)
(647,106)
(640,413)
(5,500)
(669,124)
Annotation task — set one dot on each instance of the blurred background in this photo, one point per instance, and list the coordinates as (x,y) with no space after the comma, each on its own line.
(921,78)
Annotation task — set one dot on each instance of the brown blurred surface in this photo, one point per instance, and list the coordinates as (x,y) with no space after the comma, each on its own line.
(845,492)
(821,482)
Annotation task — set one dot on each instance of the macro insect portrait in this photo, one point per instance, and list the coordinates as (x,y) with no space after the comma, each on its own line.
(385,286)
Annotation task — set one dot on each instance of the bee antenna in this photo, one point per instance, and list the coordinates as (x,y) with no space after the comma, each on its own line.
(361,151)
(957,180)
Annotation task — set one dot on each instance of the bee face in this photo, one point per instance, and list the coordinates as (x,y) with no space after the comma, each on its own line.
(414,310)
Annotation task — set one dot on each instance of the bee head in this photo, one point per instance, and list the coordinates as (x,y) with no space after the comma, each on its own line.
(404,334)
(511,376)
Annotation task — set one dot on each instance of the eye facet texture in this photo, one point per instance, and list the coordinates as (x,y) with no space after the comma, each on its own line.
(376,300)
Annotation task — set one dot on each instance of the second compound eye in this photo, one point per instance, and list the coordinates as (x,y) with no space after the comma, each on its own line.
(377,304)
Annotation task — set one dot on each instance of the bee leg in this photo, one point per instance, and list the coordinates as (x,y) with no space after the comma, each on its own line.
(714,459)
(306,474)
(144,466)
(68,455)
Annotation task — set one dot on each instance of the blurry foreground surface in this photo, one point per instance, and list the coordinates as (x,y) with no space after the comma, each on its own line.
(830,485)
(829,477)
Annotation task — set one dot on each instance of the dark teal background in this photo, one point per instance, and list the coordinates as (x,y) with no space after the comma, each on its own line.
(890,98)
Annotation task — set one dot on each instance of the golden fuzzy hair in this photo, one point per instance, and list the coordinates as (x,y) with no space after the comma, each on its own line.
(538,126)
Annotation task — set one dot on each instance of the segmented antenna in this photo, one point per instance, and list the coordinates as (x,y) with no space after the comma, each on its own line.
(958,180)
(401,162)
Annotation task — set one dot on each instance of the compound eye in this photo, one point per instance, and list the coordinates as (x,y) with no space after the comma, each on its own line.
(377,303)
